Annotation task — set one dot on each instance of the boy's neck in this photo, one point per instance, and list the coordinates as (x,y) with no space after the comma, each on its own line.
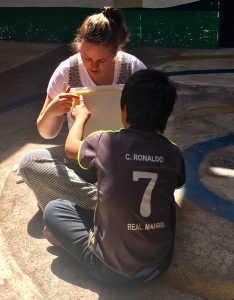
(145,129)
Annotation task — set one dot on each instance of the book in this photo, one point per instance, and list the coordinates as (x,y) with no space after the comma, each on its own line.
(104,104)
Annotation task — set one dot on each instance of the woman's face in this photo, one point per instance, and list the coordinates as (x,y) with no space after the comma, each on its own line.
(97,59)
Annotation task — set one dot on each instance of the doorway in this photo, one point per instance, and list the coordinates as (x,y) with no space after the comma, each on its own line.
(227,23)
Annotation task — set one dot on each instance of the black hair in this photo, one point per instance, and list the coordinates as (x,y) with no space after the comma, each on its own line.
(107,28)
(149,97)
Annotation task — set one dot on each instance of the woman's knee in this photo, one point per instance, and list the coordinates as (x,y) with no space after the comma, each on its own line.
(26,164)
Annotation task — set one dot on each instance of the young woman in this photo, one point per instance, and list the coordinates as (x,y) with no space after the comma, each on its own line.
(99,60)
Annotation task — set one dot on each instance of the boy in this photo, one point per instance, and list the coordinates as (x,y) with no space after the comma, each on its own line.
(138,169)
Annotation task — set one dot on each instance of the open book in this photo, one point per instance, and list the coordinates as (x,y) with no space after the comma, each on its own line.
(104,104)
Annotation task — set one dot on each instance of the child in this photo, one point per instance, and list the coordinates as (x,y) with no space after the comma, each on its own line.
(138,169)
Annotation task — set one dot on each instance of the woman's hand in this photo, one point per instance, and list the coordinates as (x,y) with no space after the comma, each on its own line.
(61,104)
(51,117)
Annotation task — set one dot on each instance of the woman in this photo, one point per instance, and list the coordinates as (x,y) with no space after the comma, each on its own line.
(98,61)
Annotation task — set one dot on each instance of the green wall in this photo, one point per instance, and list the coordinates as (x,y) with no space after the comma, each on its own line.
(185,26)
(187,29)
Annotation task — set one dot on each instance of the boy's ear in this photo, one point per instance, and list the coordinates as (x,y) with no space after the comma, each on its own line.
(124,109)
(124,116)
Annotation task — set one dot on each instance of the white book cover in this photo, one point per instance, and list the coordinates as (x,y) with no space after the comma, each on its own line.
(104,104)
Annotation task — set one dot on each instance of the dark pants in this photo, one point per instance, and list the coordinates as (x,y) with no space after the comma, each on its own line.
(70,225)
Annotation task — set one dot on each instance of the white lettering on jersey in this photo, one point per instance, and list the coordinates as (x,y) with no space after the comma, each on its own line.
(145,157)
(148,226)
(133,226)
(155,225)
(127,156)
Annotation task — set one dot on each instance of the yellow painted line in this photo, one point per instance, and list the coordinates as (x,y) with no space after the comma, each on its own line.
(211,288)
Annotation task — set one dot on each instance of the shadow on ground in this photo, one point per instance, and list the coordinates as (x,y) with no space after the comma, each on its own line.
(202,266)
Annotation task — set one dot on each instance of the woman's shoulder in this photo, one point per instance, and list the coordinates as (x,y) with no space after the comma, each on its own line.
(60,75)
(63,68)
(125,57)
(65,64)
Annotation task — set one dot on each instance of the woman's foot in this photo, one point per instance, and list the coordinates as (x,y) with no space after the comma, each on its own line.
(48,235)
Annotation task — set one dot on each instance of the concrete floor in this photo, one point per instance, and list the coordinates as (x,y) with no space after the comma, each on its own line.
(201,124)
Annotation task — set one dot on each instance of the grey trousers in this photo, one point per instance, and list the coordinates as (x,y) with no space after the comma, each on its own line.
(70,225)
(52,175)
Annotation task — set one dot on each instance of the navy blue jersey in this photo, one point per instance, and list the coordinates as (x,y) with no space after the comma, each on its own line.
(138,172)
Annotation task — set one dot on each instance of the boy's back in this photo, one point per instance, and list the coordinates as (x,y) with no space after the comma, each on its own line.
(135,217)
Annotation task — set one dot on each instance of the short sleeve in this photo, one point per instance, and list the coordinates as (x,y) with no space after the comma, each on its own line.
(60,75)
(88,150)
(137,65)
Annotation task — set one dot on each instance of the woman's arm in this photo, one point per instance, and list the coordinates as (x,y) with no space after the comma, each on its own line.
(48,124)
(51,117)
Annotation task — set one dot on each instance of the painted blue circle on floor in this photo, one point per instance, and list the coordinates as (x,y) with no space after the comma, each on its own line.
(195,190)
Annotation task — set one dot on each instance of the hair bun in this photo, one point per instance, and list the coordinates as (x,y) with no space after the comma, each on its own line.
(108,11)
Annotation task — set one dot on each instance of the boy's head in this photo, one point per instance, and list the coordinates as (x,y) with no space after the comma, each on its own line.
(147,100)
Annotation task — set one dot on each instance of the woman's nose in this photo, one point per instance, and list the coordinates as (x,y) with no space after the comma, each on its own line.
(94,65)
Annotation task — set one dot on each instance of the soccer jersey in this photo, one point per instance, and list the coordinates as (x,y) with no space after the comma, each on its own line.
(137,173)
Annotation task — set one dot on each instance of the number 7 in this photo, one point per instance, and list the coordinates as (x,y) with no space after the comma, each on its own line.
(145,207)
